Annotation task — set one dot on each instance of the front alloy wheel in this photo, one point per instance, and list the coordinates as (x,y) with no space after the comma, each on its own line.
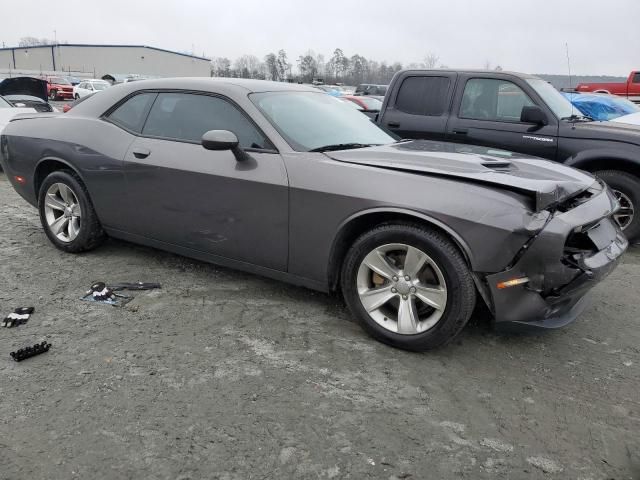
(408,286)
(402,288)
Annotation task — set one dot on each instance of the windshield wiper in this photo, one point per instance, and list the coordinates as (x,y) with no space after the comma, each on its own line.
(578,118)
(343,146)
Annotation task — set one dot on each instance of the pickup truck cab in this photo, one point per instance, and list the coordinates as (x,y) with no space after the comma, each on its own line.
(59,88)
(629,89)
(518,113)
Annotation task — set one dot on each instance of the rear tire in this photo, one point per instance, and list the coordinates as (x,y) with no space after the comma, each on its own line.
(431,281)
(627,189)
(67,214)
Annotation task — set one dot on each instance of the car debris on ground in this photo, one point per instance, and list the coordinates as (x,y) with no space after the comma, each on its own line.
(29,352)
(18,317)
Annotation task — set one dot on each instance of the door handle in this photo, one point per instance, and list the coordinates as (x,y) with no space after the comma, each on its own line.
(460,131)
(393,124)
(141,152)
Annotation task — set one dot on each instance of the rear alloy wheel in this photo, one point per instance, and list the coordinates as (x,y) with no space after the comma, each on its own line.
(67,214)
(62,212)
(626,188)
(409,286)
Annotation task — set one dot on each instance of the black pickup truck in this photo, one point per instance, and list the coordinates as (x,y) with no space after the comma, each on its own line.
(519,113)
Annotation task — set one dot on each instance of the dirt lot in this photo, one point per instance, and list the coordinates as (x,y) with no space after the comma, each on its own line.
(230,376)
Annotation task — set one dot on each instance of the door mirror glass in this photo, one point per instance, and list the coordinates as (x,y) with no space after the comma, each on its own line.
(533,114)
(220,140)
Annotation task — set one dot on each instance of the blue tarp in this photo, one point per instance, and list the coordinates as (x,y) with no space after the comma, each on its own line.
(601,107)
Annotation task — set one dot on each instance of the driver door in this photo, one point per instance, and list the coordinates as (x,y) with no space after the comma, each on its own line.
(204,200)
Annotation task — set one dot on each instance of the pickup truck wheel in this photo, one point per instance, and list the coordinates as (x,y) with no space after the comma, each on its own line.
(67,214)
(626,188)
(408,286)
(53,95)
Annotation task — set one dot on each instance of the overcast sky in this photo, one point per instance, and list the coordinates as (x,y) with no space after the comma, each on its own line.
(528,36)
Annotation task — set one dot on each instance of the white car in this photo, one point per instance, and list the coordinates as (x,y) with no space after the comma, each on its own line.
(8,111)
(87,87)
(630,119)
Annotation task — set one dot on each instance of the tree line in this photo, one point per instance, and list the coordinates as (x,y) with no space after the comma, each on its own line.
(338,68)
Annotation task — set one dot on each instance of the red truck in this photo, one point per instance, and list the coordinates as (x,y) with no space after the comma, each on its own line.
(59,87)
(630,89)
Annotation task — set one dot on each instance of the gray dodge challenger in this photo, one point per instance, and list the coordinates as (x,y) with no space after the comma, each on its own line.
(288,182)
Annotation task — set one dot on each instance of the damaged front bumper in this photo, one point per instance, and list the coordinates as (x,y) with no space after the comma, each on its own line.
(579,246)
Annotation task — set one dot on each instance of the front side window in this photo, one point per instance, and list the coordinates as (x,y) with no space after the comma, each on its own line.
(636,78)
(423,95)
(310,120)
(132,113)
(558,104)
(186,117)
(493,100)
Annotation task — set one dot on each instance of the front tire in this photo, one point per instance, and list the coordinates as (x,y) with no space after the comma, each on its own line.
(408,286)
(626,188)
(67,214)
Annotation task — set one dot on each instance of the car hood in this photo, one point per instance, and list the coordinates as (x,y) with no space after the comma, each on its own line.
(24,86)
(549,183)
(614,131)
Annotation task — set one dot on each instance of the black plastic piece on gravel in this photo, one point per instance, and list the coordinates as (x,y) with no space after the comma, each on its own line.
(29,352)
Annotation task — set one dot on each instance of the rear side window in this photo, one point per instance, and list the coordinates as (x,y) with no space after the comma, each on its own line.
(423,95)
(132,113)
(493,100)
(186,117)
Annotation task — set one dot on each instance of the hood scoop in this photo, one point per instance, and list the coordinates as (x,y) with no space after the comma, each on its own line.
(496,164)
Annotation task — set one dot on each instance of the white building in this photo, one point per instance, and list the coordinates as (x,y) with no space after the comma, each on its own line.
(99,60)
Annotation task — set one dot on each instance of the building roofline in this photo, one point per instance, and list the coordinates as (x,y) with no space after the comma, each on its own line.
(107,46)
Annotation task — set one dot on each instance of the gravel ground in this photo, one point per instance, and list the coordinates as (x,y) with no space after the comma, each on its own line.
(225,375)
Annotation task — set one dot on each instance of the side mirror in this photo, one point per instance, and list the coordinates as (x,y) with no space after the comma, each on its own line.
(533,114)
(223,140)
(219,140)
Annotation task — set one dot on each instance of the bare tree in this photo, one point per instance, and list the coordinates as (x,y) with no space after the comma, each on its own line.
(271,66)
(34,42)
(431,60)
(283,65)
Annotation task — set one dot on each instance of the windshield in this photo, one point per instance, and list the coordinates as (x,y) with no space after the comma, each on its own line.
(4,103)
(100,86)
(312,120)
(59,81)
(560,106)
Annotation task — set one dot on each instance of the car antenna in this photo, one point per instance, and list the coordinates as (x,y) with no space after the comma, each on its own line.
(566,45)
